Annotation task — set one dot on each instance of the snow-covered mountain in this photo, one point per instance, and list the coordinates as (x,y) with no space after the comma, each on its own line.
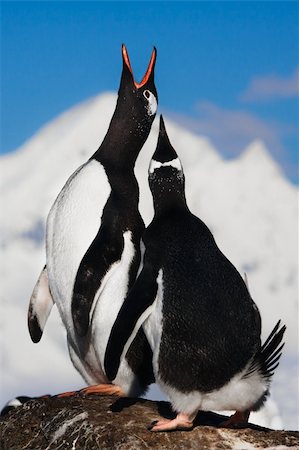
(247,203)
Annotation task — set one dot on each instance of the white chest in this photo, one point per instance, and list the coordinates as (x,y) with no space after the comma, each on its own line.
(73,223)
(153,325)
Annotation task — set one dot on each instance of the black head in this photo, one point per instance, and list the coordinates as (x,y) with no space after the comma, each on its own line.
(166,176)
(139,99)
(133,116)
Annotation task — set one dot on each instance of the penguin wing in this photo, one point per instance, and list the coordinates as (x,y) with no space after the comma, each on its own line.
(40,305)
(104,251)
(134,311)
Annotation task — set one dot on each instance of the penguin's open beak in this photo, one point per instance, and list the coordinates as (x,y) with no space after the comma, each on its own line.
(150,69)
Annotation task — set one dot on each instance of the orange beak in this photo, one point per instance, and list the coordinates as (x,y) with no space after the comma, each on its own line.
(150,68)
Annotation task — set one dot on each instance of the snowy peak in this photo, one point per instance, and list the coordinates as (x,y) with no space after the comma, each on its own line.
(83,125)
(191,148)
(257,158)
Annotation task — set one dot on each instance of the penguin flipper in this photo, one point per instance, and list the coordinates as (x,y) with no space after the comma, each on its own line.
(105,250)
(134,311)
(40,305)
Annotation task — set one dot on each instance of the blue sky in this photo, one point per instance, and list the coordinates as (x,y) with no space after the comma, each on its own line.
(227,70)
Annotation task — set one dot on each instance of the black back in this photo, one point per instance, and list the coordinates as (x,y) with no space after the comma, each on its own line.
(209,319)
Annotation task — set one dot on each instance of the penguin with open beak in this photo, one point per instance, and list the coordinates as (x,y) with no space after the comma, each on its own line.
(93,244)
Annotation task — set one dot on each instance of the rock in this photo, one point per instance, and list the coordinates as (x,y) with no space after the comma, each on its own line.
(93,422)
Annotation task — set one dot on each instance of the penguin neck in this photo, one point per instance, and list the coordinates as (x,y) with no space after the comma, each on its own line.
(122,143)
(175,202)
(124,187)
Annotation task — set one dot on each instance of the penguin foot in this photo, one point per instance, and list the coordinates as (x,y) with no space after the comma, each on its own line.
(182,422)
(66,394)
(100,389)
(237,420)
(103,389)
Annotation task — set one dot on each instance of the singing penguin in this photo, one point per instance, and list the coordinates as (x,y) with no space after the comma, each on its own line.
(197,313)
(93,244)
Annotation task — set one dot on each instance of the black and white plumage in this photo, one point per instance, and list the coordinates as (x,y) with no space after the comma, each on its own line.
(14,403)
(197,313)
(93,241)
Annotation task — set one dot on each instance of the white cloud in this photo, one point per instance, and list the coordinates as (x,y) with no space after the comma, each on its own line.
(270,87)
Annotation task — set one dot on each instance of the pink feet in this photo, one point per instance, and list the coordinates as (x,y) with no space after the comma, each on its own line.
(100,389)
(181,422)
(237,420)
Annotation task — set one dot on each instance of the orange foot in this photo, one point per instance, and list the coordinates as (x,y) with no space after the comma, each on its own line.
(100,389)
(237,420)
(181,422)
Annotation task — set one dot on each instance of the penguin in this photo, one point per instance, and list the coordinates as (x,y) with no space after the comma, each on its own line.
(196,311)
(93,244)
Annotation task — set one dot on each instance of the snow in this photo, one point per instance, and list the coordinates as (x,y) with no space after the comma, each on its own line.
(246,202)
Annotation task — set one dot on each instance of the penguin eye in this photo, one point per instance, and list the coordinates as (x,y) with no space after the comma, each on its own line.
(151,102)
(147,94)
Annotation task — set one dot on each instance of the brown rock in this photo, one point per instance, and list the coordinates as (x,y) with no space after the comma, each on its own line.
(92,422)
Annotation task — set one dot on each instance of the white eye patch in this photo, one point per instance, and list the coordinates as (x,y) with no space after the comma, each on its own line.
(152,102)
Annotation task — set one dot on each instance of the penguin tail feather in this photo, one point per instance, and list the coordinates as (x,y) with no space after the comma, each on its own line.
(266,360)
(40,306)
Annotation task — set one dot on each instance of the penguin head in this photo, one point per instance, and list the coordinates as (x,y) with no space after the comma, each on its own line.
(166,176)
(137,102)
(132,118)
